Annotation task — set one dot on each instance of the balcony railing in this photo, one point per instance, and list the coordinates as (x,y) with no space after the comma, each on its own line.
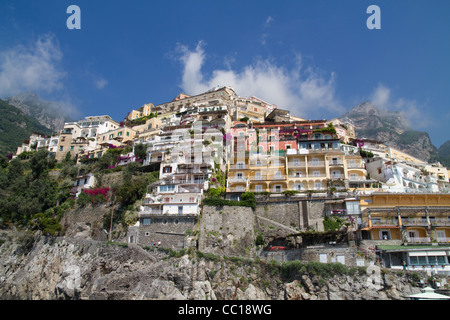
(238,166)
(336,163)
(414,222)
(337,176)
(237,179)
(316,164)
(296,164)
(356,166)
(418,239)
(259,178)
(356,178)
(277,177)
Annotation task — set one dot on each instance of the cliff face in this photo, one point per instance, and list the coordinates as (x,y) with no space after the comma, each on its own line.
(391,128)
(49,114)
(36,267)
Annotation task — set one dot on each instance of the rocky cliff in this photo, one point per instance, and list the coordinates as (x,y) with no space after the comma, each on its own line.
(36,267)
(391,128)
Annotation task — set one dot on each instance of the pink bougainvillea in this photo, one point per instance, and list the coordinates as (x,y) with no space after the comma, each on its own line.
(95,192)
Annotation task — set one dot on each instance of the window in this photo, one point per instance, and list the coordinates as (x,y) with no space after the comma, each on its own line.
(353,207)
(258,188)
(61,148)
(180,209)
(385,235)
(167,188)
(316,173)
(317,185)
(146,221)
(167,169)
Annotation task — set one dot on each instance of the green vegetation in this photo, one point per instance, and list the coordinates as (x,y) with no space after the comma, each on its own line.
(141,120)
(26,189)
(247,200)
(35,191)
(329,129)
(334,223)
(15,126)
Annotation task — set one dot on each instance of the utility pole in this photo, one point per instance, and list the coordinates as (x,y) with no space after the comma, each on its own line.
(110,224)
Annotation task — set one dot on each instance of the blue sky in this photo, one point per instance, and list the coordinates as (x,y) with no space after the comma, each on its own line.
(316,58)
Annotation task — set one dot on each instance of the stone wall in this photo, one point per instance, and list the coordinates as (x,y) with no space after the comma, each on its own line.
(227,230)
(170,230)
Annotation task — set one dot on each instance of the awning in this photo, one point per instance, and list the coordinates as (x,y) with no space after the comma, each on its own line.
(426,253)
(429,294)
(436,253)
(417,253)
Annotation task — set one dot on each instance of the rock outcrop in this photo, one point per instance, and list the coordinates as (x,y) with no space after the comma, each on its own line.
(36,267)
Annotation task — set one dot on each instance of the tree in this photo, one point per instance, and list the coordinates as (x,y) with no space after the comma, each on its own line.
(140,150)
(40,163)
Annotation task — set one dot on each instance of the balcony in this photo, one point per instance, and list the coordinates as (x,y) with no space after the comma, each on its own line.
(296,164)
(238,166)
(356,166)
(336,163)
(337,176)
(418,239)
(237,179)
(277,177)
(356,178)
(443,239)
(237,189)
(316,164)
(409,222)
(258,178)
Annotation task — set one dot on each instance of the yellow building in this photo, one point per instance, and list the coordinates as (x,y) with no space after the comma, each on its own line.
(143,111)
(118,137)
(408,218)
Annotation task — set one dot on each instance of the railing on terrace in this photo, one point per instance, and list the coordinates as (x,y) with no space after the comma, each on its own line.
(418,239)
(238,166)
(443,239)
(316,164)
(237,189)
(356,166)
(296,164)
(414,222)
(277,177)
(357,178)
(237,179)
(441,222)
(385,222)
(146,212)
(259,178)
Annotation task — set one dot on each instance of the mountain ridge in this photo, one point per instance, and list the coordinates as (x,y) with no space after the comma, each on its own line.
(392,128)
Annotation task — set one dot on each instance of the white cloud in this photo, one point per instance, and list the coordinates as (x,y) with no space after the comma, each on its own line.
(414,113)
(268,21)
(100,82)
(32,68)
(302,90)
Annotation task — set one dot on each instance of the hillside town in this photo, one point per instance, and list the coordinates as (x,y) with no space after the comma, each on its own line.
(217,144)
